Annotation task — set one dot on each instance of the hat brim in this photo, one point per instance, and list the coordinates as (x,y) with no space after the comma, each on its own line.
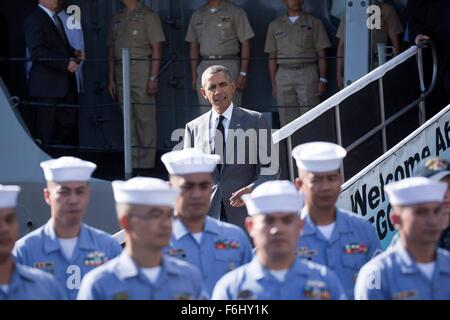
(439,176)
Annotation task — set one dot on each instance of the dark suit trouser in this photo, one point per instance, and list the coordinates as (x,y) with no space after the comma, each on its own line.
(58,125)
(223,214)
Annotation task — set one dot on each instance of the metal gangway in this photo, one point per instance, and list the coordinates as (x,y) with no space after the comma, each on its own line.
(363,193)
(377,75)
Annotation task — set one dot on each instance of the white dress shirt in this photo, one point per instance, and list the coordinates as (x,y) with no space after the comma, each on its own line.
(214,121)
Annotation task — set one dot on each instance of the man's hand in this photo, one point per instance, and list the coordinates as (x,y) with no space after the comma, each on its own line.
(152,87)
(421,37)
(80,55)
(72,67)
(112,89)
(241,83)
(236,200)
(321,88)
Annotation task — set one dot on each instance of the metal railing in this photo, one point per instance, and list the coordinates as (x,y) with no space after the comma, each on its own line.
(376,75)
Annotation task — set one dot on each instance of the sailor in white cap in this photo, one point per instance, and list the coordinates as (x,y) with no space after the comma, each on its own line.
(19,282)
(340,240)
(64,246)
(214,246)
(413,268)
(144,209)
(275,272)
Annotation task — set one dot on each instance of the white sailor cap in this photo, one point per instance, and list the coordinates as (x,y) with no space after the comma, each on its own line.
(189,160)
(145,191)
(319,156)
(274,196)
(67,169)
(8,196)
(411,191)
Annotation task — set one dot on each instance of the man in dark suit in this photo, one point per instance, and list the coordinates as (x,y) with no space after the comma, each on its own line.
(52,76)
(242,137)
(430,19)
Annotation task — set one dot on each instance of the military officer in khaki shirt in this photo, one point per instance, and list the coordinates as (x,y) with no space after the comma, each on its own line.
(391,29)
(138,28)
(217,33)
(295,43)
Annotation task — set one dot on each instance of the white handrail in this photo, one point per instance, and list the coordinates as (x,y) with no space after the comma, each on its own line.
(336,99)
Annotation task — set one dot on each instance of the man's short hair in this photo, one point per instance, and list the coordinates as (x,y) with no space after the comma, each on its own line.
(213,70)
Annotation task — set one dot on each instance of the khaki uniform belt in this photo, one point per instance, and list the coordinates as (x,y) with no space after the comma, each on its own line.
(296,66)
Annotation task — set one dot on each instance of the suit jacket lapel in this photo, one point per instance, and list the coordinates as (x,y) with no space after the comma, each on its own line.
(204,132)
(235,123)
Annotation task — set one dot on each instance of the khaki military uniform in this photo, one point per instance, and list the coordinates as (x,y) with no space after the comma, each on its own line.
(390,27)
(138,31)
(297,78)
(219,35)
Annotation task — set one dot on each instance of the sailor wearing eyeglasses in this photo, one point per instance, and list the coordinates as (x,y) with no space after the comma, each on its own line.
(144,209)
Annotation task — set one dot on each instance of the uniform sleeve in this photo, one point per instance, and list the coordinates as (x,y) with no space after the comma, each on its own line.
(373,242)
(320,35)
(368,284)
(393,24)
(271,44)
(340,34)
(154,29)
(246,248)
(337,290)
(191,35)
(243,28)
(19,253)
(116,249)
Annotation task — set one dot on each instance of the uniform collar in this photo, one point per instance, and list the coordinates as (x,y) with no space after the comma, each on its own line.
(179,230)
(257,271)
(51,242)
(126,267)
(211,225)
(19,275)
(408,265)
(341,225)
(405,261)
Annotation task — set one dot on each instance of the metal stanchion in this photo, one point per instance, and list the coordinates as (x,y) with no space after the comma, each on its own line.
(127,113)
